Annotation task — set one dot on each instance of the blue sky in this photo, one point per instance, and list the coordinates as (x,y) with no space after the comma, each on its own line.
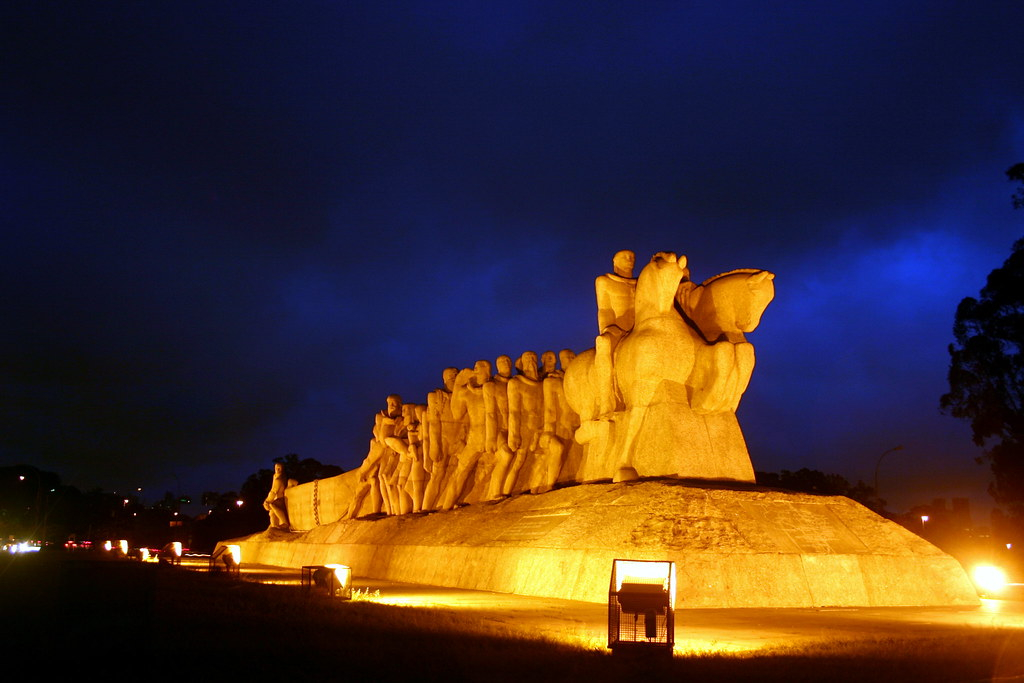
(230,229)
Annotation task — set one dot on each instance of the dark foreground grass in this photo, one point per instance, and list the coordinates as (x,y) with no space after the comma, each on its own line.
(72,616)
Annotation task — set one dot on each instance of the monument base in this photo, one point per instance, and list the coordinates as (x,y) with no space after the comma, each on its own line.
(734,546)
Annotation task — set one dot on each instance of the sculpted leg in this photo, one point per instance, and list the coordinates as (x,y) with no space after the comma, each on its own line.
(549,463)
(502,460)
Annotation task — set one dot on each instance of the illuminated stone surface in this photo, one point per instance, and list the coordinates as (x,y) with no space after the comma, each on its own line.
(655,398)
(733,547)
(658,393)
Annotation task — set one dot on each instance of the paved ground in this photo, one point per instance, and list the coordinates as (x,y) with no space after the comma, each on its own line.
(700,630)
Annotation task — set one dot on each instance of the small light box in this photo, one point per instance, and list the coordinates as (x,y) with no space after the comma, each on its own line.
(641,606)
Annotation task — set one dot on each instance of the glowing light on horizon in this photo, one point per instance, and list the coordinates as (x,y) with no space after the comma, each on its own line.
(989,579)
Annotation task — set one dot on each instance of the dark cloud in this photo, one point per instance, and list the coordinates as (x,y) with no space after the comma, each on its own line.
(230,231)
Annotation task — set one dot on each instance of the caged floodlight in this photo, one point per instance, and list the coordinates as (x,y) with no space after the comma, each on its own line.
(336,579)
(641,606)
(339,581)
(230,556)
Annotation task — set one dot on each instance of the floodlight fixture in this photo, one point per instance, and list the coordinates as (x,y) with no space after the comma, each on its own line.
(641,606)
(989,580)
(339,581)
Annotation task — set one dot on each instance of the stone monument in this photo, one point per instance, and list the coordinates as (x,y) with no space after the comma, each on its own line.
(479,486)
(658,393)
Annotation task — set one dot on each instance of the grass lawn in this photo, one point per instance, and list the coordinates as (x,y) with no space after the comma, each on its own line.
(65,615)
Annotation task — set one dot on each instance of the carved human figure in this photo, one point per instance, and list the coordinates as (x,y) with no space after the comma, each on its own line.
(410,480)
(525,419)
(496,415)
(396,442)
(548,361)
(468,401)
(442,437)
(560,422)
(615,316)
(370,475)
(275,502)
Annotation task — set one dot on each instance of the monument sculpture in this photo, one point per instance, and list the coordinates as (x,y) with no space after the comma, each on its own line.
(442,436)
(468,402)
(676,365)
(275,503)
(655,401)
(656,396)
(387,431)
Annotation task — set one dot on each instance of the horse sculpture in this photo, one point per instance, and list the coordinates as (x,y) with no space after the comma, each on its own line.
(687,348)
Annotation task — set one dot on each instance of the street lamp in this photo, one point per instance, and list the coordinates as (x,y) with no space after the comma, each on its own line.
(879,462)
(38,504)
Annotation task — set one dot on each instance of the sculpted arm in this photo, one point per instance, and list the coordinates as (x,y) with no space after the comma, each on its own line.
(515,412)
(606,315)
(492,417)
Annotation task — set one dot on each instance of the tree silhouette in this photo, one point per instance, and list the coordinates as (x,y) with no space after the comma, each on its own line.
(820,483)
(256,487)
(1016,173)
(986,371)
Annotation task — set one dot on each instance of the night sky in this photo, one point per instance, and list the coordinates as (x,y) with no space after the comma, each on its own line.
(230,229)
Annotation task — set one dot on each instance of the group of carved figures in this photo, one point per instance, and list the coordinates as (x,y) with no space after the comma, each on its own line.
(510,432)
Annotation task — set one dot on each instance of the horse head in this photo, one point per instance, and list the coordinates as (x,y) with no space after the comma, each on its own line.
(728,305)
(657,284)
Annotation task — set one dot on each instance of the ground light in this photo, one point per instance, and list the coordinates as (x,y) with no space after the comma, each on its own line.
(336,579)
(989,580)
(340,581)
(641,606)
(229,555)
(170,553)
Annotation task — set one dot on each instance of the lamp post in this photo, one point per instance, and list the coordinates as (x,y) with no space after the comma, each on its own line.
(38,503)
(878,464)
